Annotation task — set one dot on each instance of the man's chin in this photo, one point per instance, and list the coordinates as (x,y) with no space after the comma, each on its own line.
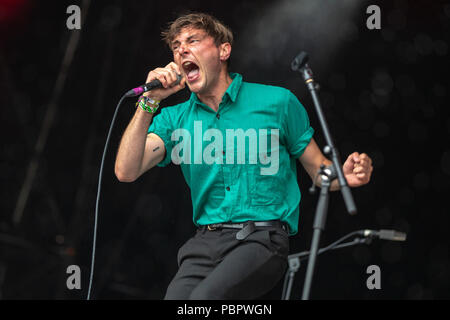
(195,87)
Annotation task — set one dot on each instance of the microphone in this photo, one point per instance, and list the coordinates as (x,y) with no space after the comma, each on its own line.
(300,61)
(384,234)
(147,87)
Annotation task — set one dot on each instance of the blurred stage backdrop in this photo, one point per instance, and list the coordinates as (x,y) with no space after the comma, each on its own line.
(384,92)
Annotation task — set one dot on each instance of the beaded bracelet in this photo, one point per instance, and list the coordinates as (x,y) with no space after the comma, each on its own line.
(148,104)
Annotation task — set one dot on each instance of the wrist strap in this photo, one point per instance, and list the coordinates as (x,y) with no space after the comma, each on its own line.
(148,104)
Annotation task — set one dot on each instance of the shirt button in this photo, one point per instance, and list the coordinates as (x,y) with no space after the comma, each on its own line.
(218,116)
(228,188)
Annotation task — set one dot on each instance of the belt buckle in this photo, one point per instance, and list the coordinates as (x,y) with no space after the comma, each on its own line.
(211,228)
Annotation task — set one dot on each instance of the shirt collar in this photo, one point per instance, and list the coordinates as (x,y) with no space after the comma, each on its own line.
(235,85)
(232,90)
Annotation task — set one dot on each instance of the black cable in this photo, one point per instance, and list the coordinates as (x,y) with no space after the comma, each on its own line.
(332,245)
(98,195)
(305,255)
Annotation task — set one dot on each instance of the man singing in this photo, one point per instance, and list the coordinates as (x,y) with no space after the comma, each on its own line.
(237,145)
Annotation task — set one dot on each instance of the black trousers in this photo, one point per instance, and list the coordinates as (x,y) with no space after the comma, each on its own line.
(215,265)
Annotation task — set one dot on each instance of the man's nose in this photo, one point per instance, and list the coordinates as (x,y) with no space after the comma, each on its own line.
(183,49)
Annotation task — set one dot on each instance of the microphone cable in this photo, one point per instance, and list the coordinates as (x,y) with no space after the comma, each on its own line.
(305,255)
(99,187)
(131,93)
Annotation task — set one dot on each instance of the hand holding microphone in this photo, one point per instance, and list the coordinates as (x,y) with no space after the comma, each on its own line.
(162,82)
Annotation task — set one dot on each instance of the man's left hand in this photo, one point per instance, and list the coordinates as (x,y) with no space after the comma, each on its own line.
(357,169)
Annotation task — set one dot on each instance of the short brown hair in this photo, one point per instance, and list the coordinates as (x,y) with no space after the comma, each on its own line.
(203,21)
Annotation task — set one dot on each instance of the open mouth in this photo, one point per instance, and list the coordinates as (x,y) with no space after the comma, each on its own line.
(191,70)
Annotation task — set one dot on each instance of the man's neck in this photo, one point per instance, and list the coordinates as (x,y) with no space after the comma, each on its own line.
(214,96)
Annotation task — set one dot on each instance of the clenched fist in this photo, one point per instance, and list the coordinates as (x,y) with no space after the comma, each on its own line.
(168,78)
(357,169)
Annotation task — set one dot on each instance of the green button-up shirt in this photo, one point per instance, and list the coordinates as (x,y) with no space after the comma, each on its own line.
(239,162)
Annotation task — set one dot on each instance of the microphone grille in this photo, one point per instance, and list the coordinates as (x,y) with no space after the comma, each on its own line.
(392,235)
(300,60)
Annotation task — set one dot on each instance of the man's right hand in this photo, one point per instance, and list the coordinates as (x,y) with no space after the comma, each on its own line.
(168,78)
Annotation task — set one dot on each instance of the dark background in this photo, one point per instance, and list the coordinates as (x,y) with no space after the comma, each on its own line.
(384,92)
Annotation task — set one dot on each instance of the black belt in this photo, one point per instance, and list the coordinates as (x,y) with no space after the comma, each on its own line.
(247,228)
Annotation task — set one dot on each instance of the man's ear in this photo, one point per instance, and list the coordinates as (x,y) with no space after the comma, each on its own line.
(225,51)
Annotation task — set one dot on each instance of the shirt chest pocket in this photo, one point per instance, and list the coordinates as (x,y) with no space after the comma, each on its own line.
(265,190)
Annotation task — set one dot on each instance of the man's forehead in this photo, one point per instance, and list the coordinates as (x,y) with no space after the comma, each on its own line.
(187,32)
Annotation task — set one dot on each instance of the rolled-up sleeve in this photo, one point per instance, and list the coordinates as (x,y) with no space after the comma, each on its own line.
(162,126)
(297,130)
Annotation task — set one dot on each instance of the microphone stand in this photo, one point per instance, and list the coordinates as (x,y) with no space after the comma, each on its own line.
(328,174)
(294,260)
